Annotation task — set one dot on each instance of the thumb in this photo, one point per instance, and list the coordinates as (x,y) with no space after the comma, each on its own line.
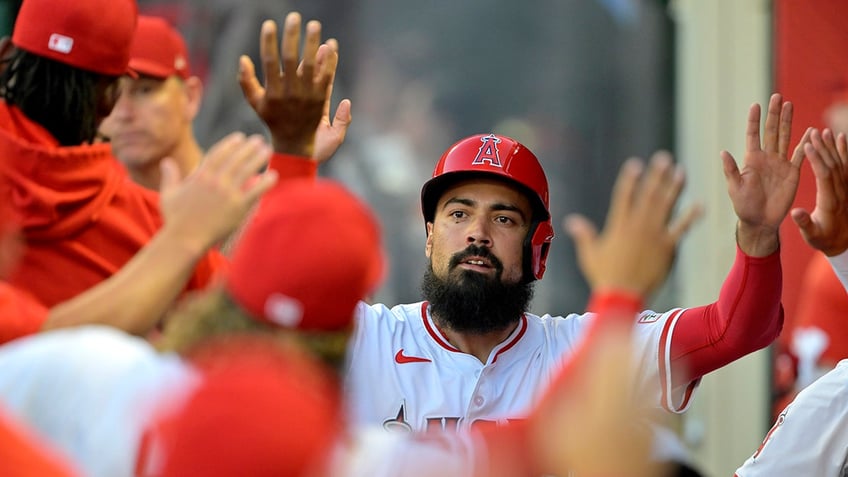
(170,175)
(803,220)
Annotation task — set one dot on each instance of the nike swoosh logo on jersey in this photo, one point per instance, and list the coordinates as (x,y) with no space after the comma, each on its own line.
(401,358)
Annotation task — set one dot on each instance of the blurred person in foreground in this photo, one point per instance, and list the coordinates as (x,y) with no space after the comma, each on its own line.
(111,383)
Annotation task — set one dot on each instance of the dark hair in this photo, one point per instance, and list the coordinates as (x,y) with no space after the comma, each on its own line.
(61,98)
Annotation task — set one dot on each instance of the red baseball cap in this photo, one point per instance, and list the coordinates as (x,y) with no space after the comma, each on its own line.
(93,35)
(158,49)
(310,253)
(258,411)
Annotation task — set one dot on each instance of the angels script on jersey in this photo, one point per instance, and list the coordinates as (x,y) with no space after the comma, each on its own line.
(437,424)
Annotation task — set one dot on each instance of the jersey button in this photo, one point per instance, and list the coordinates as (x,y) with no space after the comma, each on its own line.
(478,401)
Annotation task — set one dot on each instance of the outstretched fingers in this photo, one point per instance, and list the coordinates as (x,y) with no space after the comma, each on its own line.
(784,134)
(269,54)
(752,131)
(251,88)
(659,190)
(217,157)
(624,190)
(329,70)
(684,221)
(581,230)
(310,50)
(290,46)
(246,160)
(773,123)
(798,153)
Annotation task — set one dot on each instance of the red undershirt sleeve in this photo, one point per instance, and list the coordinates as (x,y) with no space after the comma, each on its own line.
(747,316)
(293,167)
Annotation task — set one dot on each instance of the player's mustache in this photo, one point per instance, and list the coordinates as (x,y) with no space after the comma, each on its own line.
(475,251)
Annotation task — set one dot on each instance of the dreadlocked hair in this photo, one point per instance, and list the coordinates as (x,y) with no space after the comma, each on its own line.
(61,98)
(212,314)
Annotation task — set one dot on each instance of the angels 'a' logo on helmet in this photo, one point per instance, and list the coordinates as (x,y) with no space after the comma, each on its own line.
(488,151)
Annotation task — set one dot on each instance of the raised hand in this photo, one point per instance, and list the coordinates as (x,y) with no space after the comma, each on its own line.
(294,99)
(639,241)
(763,190)
(826,228)
(214,199)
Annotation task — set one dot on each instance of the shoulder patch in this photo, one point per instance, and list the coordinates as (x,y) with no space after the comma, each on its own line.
(649,317)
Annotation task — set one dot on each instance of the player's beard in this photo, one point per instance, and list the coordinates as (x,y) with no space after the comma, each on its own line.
(472,302)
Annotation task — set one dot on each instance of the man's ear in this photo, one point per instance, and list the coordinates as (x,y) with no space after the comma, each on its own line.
(194,92)
(428,247)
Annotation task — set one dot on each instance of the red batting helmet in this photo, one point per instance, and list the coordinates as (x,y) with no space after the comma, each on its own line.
(504,158)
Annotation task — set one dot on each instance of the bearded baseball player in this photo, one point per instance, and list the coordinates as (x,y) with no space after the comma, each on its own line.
(469,352)
(810,436)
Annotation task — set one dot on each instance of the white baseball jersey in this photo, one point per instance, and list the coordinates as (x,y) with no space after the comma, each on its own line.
(89,391)
(404,374)
(810,437)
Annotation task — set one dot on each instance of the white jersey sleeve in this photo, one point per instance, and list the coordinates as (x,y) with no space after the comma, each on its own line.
(89,391)
(810,437)
(404,375)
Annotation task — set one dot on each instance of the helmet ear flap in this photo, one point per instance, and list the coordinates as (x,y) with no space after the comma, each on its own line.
(536,249)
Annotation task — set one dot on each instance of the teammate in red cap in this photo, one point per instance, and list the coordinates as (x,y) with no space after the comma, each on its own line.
(470,353)
(81,216)
(154,112)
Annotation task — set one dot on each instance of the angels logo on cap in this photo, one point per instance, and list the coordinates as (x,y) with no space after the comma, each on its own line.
(488,151)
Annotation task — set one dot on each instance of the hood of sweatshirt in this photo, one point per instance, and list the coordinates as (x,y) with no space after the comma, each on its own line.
(53,191)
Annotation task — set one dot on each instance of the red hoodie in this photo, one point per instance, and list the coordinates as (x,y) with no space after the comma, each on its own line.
(82,216)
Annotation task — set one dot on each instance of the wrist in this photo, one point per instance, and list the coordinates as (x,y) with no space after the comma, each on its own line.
(294,146)
(184,243)
(757,241)
(615,300)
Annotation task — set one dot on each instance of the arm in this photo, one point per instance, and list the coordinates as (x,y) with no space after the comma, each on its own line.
(295,101)
(198,213)
(748,314)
